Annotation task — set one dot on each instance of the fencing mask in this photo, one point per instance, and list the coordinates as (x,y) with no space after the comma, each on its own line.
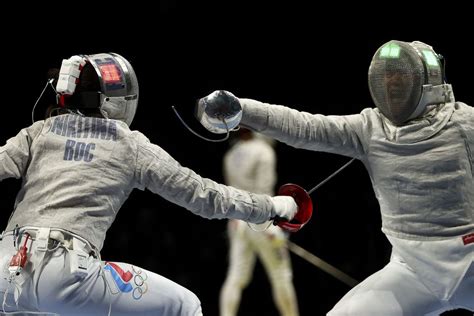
(406,77)
(106,82)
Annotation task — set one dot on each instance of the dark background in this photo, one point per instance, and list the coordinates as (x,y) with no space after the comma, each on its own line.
(303,56)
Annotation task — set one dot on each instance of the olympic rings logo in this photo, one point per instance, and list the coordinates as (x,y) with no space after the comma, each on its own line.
(141,287)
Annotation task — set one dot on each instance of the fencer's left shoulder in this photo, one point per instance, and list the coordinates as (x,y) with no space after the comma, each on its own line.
(463,112)
(372,113)
(461,106)
(366,115)
(366,119)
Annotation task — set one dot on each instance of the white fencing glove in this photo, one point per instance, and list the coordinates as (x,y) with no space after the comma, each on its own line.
(285,207)
(219,112)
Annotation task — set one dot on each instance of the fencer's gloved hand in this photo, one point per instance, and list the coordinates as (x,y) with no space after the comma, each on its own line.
(285,207)
(219,112)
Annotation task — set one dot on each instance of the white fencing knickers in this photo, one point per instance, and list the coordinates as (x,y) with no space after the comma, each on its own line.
(47,284)
(399,289)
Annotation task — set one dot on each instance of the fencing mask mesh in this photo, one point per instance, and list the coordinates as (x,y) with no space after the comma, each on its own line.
(399,75)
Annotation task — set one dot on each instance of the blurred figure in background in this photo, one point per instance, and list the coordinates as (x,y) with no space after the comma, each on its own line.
(250,164)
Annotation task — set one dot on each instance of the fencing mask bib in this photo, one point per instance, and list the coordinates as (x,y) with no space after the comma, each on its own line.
(406,77)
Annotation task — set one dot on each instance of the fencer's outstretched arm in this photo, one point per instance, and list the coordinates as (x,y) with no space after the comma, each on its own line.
(343,135)
(161,174)
(334,134)
(60,176)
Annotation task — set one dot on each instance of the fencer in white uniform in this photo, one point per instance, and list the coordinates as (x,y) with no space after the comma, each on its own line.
(78,168)
(417,147)
(250,164)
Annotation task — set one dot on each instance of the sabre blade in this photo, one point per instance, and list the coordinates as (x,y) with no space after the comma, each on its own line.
(330,177)
(321,264)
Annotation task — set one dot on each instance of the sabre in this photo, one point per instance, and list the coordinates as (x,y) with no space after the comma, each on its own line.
(321,264)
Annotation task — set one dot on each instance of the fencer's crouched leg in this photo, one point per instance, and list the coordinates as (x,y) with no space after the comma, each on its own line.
(123,288)
(241,263)
(135,290)
(275,257)
(393,291)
